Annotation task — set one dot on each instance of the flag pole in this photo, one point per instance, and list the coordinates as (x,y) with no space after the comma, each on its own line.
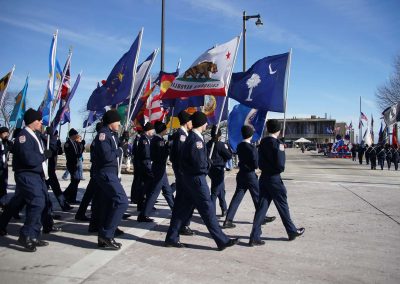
(360,124)
(57,97)
(286,91)
(134,77)
(228,82)
(171,120)
(4,95)
(137,97)
(53,63)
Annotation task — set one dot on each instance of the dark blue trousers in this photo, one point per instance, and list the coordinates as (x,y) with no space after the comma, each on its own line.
(244,181)
(115,203)
(196,193)
(87,197)
(160,182)
(272,189)
(33,191)
(217,176)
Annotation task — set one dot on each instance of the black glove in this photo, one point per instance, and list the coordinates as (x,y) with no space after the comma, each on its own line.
(48,153)
(50,130)
(83,142)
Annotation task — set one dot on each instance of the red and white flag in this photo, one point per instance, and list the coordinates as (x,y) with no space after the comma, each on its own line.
(154,111)
(363,116)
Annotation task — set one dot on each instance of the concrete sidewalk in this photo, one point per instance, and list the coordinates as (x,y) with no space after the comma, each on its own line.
(351,215)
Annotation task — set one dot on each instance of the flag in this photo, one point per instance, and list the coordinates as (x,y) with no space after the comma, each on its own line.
(63,114)
(92,117)
(392,114)
(367,137)
(3,86)
(372,128)
(213,107)
(243,115)
(17,115)
(363,116)
(360,124)
(208,75)
(138,115)
(48,96)
(380,135)
(118,84)
(394,135)
(154,111)
(263,85)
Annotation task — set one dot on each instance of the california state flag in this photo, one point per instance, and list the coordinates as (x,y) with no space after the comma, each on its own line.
(208,75)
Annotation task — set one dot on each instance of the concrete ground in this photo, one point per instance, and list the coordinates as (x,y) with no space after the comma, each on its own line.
(351,215)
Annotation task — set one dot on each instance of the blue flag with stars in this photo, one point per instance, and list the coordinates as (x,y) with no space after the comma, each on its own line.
(263,85)
(118,85)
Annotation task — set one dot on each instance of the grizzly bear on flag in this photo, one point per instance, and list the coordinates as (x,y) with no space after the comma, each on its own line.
(201,70)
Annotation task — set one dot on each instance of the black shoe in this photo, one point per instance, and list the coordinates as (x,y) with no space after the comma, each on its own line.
(3,232)
(116,243)
(52,229)
(269,220)
(27,243)
(82,218)
(223,213)
(144,219)
(118,232)
(126,216)
(66,207)
(174,245)
(40,243)
(298,233)
(253,243)
(186,231)
(107,243)
(228,225)
(230,243)
(74,202)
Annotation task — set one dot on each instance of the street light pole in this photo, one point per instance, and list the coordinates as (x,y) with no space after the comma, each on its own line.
(258,23)
(162,33)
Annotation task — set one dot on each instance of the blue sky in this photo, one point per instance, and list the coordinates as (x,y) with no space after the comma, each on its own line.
(342,49)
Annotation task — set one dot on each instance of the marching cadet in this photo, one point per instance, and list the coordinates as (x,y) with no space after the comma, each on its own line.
(271,155)
(354,152)
(396,157)
(159,151)
(30,168)
(367,151)
(246,178)
(137,181)
(194,167)
(73,152)
(221,154)
(177,141)
(389,155)
(372,157)
(381,156)
(144,165)
(5,147)
(108,157)
(360,150)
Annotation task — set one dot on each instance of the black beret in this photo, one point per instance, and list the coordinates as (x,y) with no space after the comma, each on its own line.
(214,132)
(148,126)
(198,119)
(111,116)
(3,129)
(247,131)
(273,126)
(32,115)
(72,132)
(159,126)
(184,117)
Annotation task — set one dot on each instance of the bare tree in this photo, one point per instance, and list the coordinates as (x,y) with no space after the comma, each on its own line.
(389,93)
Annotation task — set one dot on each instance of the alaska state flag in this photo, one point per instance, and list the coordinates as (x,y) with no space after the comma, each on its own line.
(17,115)
(243,115)
(118,84)
(263,85)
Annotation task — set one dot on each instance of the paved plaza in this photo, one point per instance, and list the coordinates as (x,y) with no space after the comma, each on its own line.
(351,215)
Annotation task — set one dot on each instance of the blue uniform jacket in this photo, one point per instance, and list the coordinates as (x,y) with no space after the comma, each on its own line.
(178,139)
(248,157)
(27,156)
(271,155)
(106,151)
(194,160)
(143,153)
(159,150)
(221,153)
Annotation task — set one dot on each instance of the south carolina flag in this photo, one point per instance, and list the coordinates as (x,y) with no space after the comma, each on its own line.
(208,75)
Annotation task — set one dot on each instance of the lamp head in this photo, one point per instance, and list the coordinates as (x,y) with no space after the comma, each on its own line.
(259,22)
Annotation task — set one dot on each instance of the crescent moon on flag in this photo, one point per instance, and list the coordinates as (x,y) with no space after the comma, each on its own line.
(270,70)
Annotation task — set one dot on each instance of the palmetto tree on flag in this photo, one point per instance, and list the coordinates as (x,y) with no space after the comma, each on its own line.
(252,82)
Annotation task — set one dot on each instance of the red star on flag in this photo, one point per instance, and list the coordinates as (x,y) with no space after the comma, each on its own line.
(228,55)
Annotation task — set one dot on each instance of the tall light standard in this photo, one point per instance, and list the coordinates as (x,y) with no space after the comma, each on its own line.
(258,23)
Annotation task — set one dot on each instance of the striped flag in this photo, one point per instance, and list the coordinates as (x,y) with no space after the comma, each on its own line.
(363,116)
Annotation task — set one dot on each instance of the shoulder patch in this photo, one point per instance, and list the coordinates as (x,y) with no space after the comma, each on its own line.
(199,145)
(281,147)
(145,142)
(22,139)
(182,138)
(102,136)
(161,143)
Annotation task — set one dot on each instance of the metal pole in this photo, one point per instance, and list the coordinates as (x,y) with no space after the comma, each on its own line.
(162,33)
(360,123)
(286,91)
(244,41)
